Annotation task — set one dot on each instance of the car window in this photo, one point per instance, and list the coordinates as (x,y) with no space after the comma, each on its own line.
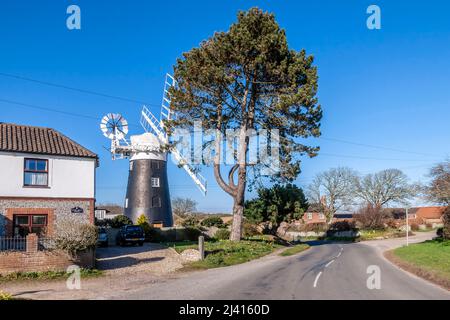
(134,229)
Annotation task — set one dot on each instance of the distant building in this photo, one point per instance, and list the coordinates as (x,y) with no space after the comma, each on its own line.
(108,212)
(318,217)
(419,215)
(44,175)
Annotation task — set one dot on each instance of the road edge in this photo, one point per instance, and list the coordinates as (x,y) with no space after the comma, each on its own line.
(416,271)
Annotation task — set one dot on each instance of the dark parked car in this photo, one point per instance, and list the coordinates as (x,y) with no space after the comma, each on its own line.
(130,235)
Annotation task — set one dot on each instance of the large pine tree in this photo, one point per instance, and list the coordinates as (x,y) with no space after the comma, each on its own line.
(248,78)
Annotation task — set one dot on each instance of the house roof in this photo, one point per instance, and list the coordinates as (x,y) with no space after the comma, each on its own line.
(39,140)
(429,212)
(421,212)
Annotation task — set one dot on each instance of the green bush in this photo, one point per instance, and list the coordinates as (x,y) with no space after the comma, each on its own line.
(120,221)
(213,221)
(276,204)
(222,234)
(190,221)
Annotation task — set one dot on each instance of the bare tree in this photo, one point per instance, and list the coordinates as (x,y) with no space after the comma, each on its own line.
(439,188)
(332,190)
(183,206)
(384,187)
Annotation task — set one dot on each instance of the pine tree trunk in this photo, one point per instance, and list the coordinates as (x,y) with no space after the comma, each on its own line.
(236,227)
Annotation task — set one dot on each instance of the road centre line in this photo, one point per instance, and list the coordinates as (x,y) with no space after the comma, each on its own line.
(317,278)
(329,263)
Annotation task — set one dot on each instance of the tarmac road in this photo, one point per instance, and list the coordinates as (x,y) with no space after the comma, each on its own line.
(325,271)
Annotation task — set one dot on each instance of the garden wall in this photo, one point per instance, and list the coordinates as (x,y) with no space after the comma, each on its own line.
(33,260)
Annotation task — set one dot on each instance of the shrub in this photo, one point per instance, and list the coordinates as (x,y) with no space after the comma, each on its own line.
(250,230)
(190,221)
(276,204)
(213,221)
(342,226)
(73,234)
(120,221)
(440,232)
(222,234)
(313,227)
(370,217)
(446,220)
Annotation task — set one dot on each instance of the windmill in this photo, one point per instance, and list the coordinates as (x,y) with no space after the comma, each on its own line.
(148,185)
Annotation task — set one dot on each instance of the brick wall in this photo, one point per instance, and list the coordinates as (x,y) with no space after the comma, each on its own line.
(42,261)
(38,261)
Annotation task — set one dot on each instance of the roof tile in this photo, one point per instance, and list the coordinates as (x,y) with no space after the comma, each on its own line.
(27,139)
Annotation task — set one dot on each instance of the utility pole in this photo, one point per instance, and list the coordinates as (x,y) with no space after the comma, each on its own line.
(407,228)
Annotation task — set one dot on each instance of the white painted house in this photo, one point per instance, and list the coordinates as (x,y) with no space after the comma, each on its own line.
(43,175)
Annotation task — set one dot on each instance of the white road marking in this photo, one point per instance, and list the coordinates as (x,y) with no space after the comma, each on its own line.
(339,254)
(317,278)
(328,264)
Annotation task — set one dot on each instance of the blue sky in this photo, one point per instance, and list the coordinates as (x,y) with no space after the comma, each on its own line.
(387,88)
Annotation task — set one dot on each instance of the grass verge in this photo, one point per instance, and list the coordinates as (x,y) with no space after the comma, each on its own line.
(429,260)
(382,234)
(227,253)
(48,275)
(294,250)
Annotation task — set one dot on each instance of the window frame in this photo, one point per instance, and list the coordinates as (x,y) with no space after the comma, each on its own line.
(25,170)
(158,185)
(309,215)
(29,226)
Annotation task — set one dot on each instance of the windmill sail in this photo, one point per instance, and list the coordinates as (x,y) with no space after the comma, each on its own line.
(151,124)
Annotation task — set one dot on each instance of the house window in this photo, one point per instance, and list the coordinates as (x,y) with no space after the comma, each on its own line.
(155,182)
(321,216)
(309,216)
(36,173)
(25,224)
(156,202)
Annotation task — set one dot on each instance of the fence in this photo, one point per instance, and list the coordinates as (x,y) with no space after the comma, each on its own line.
(29,243)
(13,244)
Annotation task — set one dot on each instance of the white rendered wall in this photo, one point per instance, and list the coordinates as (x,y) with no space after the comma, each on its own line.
(68,177)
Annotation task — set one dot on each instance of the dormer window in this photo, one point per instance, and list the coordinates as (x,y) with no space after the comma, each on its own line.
(35,173)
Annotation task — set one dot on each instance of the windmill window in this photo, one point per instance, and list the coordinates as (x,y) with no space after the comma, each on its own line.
(156,202)
(155,165)
(155,182)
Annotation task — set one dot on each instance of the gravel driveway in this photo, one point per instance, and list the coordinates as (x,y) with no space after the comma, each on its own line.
(151,257)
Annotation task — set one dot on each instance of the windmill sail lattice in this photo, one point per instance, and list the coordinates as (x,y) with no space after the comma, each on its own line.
(151,124)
